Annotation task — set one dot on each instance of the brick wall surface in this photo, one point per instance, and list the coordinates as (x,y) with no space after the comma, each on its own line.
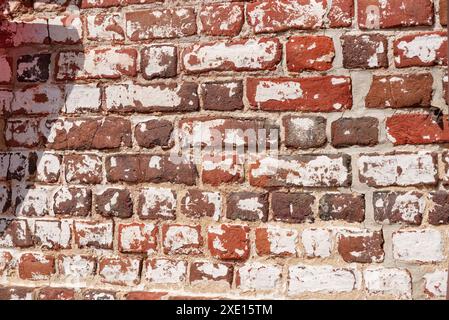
(95,94)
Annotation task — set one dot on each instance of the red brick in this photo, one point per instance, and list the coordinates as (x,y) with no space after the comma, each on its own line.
(157,203)
(33,68)
(222,19)
(399,207)
(99,295)
(105,27)
(340,206)
(157,24)
(49,293)
(304,132)
(85,169)
(77,267)
(276,241)
(400,91)
(235,55)
(88,133)
(443,12)
(91,234)
(149,168)
(247,206)
(159,61)
(6,67)
(341,13)
(140,295)
(15,233)
(16,293)
(348,132)
(310,53)
(113,3)
(182,239)
(53,234)
(229,242)
(120,270)
(5,262)
(280,15)
(315,94)
(214,274)
(98,63)
(301,170)
(362,246)
(22,133)
(417,129)
(38,99)
(366,51)
(222,95)
(72,201)
(165,271)
(394,13)
(153,133)
(65,29)
(114,202)
(197,204)
(439,212)
(137,238)
(292,207)
(421,50)
(171,97)
(36,266)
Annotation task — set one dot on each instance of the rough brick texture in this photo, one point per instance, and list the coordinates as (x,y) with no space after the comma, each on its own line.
(99,99)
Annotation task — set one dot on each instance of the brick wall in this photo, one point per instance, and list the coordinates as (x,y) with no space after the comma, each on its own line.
(95,98)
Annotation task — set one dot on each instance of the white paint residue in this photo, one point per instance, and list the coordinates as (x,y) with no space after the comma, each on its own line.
(257,276)
(389,281)
(422,47)
(272,91)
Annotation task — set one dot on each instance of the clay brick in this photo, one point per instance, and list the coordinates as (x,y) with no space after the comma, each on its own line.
(33,68)
(399,207)
(153,133)
(165,271)
(247,206)
(221,19)
(340,206)
(229,242)
(105,27)
(182,239)
(276,241)
(36,266)
(304,132)
(85,169)
(341,13)
(113,202)
(207,273)
(361,246)
(157,203)
(159,61)
(120,270)
(222,95)
(310,53)
(439,212)
(137,238)
(72,201)
(292,207)
(348,132)
(197,204)
(91,234)
(367,51)
(49,293)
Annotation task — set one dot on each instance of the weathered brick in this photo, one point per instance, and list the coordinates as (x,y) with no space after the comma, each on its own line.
(5,262)
(72,201)
(91,234)
(105,27)
(280,15)
(165,97)
(314,53)
(317,242)
(75,267)
(159,61)
(229,242)
(323,278)
(314,94)
(153,133)
(31,201)
(53,234)
(99,295)
(304,132)
(49,293)
(375,14)
(36,266)
(276,241)
(421,50)
(114,202)
(88,133)
(341,13)
(120,270)
(439,210)
(149,168)
(38,99)
(341,206)
(15,233)
(222,95)
(166,271)
(436,283)
(302,170)
(16,293)
(33,68)
(292,207)
(247,206)
(236,55)
(157,24)
(400,91)
(416,129)
(221,19)
(86,169)
(362,246)
(65,29)
(82,98)
(348,132)
(137,238)
(112,3)
(98,63)
(443,12)
(367,51)
(421,246)
(258,277)
(197,204)
(6,67)
(388,281)
(182,239)
(400,169)
(157,203)
(208,273)
(399,207)
(139,295)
